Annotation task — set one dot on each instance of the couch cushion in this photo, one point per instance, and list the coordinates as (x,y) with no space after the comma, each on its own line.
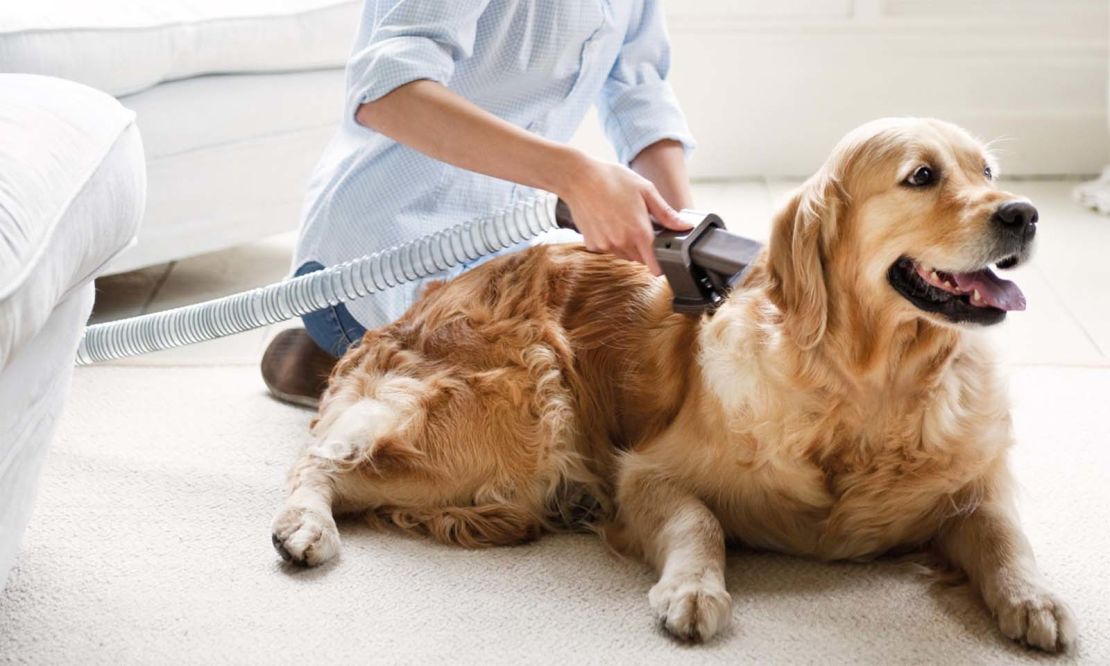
(124,46)
(217,180)
(72,188)
(177,117)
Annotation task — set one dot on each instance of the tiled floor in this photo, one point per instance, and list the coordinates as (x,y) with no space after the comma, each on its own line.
(1067,283)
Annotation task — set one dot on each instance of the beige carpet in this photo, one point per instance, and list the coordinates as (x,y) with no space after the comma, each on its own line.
(150,544)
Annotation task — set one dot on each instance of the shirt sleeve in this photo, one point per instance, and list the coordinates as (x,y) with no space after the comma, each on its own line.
(637,105)
(411,40)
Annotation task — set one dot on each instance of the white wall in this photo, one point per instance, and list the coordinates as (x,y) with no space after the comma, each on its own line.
(769,86)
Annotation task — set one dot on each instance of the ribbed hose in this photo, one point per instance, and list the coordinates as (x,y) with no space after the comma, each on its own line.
(314,291)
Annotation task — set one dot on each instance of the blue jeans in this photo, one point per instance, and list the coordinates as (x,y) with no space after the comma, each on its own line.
(333,329)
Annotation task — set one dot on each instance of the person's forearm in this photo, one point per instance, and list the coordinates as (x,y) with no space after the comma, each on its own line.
(664,164)
(428,117)
(612,206)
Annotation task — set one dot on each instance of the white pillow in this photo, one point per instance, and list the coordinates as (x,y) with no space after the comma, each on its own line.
(124,46)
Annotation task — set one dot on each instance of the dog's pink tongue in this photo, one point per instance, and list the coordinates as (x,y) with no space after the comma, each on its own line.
(994,291)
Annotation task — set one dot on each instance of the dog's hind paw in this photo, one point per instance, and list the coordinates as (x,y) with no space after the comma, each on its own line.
(1038,619)
(305,537)
(692,607)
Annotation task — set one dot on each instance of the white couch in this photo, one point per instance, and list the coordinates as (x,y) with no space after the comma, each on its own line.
(72,186)
(235,100)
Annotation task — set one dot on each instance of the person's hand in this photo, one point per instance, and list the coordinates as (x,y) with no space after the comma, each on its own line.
(612,208)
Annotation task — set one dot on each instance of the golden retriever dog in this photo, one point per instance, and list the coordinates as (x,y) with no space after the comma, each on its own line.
(841,404)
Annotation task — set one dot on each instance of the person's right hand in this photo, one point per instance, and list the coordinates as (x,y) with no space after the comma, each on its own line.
(613,207)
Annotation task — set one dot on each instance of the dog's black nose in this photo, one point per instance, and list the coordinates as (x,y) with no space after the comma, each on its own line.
(1016,215)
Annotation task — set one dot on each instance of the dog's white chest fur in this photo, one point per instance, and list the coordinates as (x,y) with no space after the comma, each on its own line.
(805,472)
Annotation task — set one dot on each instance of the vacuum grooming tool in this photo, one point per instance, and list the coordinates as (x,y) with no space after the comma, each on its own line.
(701,265)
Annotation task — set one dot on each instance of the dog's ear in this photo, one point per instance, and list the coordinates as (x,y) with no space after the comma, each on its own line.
(798,241)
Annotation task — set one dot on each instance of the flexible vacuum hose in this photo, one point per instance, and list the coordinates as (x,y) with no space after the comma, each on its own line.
(314,291)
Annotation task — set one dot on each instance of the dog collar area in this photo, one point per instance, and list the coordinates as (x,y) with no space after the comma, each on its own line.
(703,264)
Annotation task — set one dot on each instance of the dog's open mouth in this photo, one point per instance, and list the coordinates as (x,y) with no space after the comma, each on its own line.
(978,297)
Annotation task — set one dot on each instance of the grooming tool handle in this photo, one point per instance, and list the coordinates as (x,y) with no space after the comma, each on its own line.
(700,264)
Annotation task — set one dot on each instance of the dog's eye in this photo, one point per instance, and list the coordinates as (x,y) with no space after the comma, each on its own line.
(988,172)
(922,177)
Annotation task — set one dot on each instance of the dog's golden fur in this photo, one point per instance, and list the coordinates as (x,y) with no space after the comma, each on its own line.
(817,412)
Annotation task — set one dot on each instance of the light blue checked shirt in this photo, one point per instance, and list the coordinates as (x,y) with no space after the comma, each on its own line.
(539,64)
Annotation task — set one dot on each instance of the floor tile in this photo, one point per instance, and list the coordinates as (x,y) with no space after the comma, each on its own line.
(745,207)
(1072,247)
(226,272)
(1045,333)
(126,294)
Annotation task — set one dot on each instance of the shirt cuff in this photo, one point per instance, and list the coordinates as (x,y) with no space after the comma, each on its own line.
(644,114)
(391,63)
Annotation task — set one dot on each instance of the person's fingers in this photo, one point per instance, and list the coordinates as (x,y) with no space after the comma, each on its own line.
(589,239)
(636,237)
(662,211)
(622,248)
(643,240)
(603,241)
(647,256)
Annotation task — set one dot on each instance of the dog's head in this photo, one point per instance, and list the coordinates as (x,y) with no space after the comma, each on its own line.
(904,220)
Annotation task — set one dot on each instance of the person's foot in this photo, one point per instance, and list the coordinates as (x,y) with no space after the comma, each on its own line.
(295,369)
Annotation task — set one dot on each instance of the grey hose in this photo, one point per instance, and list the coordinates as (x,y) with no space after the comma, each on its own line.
(354,279)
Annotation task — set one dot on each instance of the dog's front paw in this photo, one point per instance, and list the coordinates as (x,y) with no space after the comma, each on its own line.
(304,536)
(693,607)
(1037,618)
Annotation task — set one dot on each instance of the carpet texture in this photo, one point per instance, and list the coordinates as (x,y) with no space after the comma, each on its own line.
(150,544)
